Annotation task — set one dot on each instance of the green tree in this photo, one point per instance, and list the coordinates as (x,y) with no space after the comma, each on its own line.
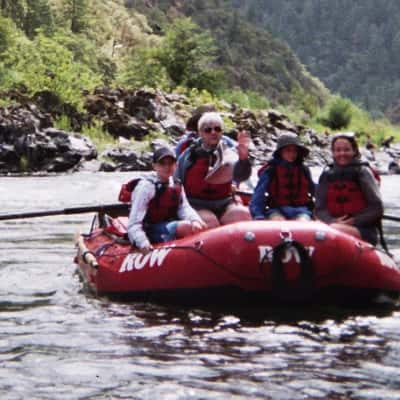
(84,51)
(7,34)
(75,12)
(43,64)
(38,16)
(188,54)
(339,114)
(143,69)
(13,9)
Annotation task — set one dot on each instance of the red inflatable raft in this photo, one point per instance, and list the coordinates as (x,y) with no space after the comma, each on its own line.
(249,260)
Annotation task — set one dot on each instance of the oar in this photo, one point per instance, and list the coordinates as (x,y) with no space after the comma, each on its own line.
(391,218)
(67,211)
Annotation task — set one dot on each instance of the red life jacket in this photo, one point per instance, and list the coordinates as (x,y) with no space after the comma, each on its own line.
(195,184)
(185,145)
(163,206)
(344,193)
(288,185)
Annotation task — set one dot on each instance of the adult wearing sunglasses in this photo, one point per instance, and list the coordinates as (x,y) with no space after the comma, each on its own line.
(208,170)
(191,130)
(347,195)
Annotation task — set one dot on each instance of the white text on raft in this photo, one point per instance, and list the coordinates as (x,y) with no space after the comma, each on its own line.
(138,260)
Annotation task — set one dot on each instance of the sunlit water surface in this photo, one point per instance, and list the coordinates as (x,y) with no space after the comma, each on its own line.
(59,342)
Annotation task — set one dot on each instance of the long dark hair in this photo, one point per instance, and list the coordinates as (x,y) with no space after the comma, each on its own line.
(351,138)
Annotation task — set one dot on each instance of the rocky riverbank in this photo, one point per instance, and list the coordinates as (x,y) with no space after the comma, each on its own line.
(29,142)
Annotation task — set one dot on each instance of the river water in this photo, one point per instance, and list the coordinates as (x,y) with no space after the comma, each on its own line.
(59,342)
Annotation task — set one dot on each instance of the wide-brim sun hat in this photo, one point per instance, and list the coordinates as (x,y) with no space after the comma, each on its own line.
(287,139)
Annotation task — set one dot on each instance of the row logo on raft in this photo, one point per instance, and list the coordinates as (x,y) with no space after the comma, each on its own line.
(290,254)
(137,261)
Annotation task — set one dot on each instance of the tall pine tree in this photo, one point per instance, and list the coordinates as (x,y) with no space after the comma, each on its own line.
(13,9)
(38,15)
(75,13)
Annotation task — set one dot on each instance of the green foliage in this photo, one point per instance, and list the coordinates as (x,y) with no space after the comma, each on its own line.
(63,122)
(339,114)
(184,58)
(352,46)
(96,133)
(7,34)
(38,16)
(187,54)
(43,64)
(75,14)
(246,99)
(143,70)
(13,9)
(198,97)
(85,52)
(23,164)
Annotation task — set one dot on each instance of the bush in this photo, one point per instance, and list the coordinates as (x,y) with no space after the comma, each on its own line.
(339,114)
(43,64)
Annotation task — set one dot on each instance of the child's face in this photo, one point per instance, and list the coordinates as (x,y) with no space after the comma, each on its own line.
(289,153)
(165,168)
(343,152)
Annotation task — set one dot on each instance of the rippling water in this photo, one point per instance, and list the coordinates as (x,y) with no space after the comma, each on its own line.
(58,342)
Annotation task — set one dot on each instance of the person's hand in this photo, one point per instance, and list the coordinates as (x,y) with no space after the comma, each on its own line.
(243,139)
(345,219)
(146,249)
(198,226)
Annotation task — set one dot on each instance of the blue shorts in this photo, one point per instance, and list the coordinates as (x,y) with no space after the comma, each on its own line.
(289,212)
(161,232)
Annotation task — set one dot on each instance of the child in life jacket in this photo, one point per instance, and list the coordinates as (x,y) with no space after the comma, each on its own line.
(348,196)
(159,209)
(285,187)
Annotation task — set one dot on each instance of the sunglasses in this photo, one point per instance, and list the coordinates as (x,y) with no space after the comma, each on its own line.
(209,129)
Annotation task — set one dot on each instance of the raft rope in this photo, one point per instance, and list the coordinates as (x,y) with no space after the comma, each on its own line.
(278,252)
(196,248)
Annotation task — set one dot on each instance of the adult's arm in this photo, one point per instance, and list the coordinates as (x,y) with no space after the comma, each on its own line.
(321,212)
(374,210)
(258,199)
(241,170)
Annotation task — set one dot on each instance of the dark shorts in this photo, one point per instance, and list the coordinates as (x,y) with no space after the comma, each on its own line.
(369,234)
(218,207)
(161,232)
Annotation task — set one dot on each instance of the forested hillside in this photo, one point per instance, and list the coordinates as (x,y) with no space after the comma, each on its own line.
(353,46)
(70,45)
(210,50)
(251,58)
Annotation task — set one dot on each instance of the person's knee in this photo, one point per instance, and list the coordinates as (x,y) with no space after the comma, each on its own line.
(302,217)
(235,213)
(276,217)
(209,218)
(184,228)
